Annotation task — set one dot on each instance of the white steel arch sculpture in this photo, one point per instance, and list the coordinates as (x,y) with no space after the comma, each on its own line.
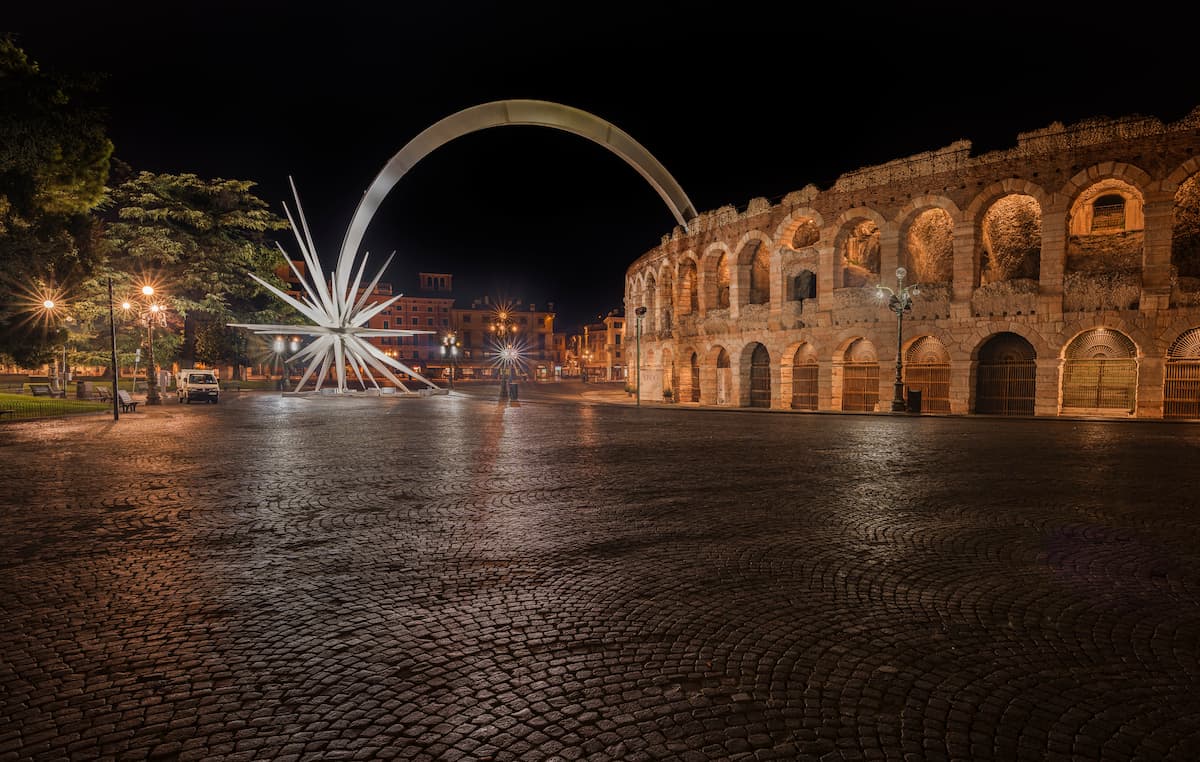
(512,112)
(337,310)
(338,313)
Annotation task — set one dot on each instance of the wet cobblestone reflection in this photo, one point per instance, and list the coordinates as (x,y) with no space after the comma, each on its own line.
(448,578)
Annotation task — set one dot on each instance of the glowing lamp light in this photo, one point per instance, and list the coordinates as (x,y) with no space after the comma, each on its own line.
(148,290)
(126,306)
(48,304)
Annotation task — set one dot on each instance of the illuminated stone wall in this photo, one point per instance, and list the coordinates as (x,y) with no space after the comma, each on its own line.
(1076,227)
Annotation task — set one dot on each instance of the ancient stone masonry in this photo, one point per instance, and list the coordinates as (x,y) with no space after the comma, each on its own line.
(1057,277)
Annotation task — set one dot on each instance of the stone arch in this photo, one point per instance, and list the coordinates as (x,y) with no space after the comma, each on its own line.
(1185,234)
(689,285)
(1009,240)
(1006,375)
(670,374)
(1103,265)
(856,375)
(1181,379)
(754,365)
(927,372)
(858,246)
(754,269)
(717,276)
(498,114)
(650,302)
(693,386)
(803,379)
(1086,178)
(798,228)
(664,320)
(927,244)
(1099,373)
(718,376)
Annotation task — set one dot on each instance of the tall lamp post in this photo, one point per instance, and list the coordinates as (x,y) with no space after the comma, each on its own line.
(640,312)
(450,354)
(899,301)
(153,313)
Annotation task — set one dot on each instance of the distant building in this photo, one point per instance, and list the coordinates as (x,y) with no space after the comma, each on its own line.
(599,352)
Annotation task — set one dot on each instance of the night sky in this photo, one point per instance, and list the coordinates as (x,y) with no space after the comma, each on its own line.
(742,101)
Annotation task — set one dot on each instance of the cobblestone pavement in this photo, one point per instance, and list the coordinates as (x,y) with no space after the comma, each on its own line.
(452,578)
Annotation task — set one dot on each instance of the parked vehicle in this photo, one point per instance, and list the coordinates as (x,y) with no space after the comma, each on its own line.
(197,384)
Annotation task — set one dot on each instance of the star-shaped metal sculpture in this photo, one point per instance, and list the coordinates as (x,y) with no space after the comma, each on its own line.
(338,313)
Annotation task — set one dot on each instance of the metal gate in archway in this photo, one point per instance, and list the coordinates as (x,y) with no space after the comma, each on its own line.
(804,378)
(695,377)
(760,377)
(1181,386)
(860,377)
(927,370)
(1005,381)
(1100,373)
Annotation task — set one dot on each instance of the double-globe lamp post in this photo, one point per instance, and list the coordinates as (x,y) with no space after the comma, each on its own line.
(504,328)
(153,312)
(899,301)
(450,354)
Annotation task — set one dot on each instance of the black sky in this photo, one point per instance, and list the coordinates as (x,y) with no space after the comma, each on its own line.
(737,100)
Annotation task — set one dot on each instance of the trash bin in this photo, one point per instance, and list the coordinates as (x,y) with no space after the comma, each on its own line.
(914,400)
(512,390)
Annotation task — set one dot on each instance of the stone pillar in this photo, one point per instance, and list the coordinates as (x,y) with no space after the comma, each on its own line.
(1046,394)
(966,264)
(739,285)
(1150,380)
(1156,255)
(827,381)
(889,255)
(1053,263)
(828,277)
(778,294)
(960,387)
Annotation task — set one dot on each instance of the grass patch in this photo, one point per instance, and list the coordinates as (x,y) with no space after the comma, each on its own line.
(27,406)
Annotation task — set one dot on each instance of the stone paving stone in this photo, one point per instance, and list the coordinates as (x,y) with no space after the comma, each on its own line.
(449,578)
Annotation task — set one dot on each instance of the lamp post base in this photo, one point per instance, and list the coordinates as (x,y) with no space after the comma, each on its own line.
(898,403)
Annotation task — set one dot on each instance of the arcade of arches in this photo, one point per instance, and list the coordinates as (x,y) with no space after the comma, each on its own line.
(1051,282)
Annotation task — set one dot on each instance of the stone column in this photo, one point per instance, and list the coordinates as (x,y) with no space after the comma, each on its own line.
(1046,394)
(966,268)
(827,277)
(1053,263)
(829,385)
(889,255)
(1159,213)
(960,387)
(1150,380)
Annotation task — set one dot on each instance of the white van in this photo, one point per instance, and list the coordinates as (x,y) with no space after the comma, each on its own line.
(197,384)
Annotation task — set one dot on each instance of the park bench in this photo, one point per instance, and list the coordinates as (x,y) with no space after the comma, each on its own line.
(128,403)
(44,390)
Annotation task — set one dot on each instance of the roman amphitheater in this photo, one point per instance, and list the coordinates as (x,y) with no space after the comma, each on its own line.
(1059,277)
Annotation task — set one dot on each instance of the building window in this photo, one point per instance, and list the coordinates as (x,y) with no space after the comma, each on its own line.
(445,321)
(1108,213)
(617,354)
(416,321)
(466,318)
(617,325)
(429,308)
(429,321)
(618,342)
(385,325)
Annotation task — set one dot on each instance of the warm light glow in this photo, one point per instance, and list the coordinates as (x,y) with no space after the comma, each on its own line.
(148,290)
(126,306)
(155,308)
(48,304)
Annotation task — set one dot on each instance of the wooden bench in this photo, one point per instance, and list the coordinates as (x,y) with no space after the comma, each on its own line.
(128,403)
(40,390)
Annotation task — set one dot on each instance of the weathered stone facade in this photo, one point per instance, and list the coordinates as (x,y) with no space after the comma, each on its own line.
(1060,276)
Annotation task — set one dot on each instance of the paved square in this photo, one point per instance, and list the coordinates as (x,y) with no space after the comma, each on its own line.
(450,578)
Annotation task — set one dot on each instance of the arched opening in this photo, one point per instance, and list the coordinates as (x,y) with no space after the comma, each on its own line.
(927,371)
(1103,269)
(804,378)
(807,234)
(754,256)
(1006,375)
(722,282)
(1100,373)
(760,377)
(860,255)
(670,374)
(1185,242)
(650,302)
(688,287)
(724,378)
(666,299)
(929,247)
(695,376)
(1181,388)
(860,377)
(1012,240)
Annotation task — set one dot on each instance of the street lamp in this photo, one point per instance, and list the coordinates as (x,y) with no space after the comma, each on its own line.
(640,312)
(899,300)
(154,313)
(450,354)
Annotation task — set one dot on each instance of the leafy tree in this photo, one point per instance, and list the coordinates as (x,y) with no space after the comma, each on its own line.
(197,240)
(54,163)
